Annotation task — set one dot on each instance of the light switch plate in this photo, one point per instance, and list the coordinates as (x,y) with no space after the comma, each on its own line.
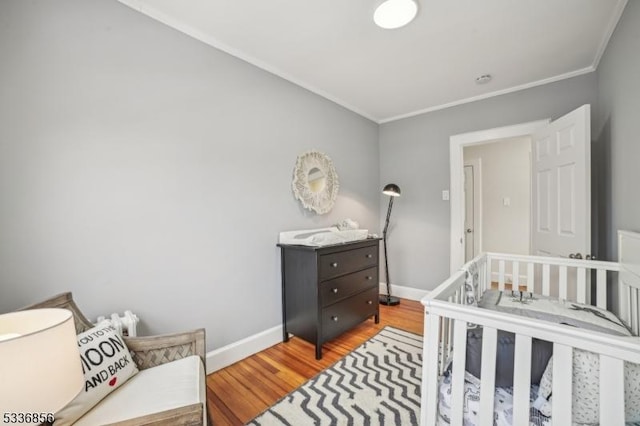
(445,195)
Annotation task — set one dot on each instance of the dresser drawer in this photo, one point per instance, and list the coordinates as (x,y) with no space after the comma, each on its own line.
(343,315)
(338,288)
(344,262)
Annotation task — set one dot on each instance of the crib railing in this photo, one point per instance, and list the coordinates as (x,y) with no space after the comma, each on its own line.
(574,276)
(613,352)
(448,316)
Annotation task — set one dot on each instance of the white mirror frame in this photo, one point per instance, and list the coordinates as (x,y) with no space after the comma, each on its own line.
(322,201)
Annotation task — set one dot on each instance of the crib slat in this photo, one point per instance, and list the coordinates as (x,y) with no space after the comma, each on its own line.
(582,285)
(449,339)
(489,276)
(623,302)
(521,379)
(601,280)
(485,284)
(443,341)
(611,391)
(429,405)
(563,282)
(515,276)
(562,384)
(459,363)
(530,277)
(546,272)
(501,275)
(634,310)
(488,375)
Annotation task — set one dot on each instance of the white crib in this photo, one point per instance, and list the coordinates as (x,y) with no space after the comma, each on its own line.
(447,317)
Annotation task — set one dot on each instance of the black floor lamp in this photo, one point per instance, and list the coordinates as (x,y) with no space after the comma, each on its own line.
(392,190)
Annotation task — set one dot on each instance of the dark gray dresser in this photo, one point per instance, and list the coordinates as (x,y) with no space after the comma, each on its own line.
(328,290)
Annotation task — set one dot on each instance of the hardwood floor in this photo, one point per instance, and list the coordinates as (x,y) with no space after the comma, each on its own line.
(238,393)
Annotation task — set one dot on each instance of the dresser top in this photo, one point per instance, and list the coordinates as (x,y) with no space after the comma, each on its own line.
(350,244)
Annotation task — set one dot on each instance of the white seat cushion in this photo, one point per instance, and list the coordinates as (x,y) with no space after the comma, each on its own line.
(172,385)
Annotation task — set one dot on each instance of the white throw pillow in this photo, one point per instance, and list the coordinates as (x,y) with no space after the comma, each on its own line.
(586,389)
(106,363)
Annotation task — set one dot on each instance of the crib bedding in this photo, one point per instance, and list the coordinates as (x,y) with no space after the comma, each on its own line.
(555,310)
(537,307)
(503,404)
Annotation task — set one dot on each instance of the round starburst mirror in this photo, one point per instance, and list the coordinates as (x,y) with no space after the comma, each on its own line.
(315,182)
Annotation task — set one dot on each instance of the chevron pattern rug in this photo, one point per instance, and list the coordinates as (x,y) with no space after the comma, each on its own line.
(376,384)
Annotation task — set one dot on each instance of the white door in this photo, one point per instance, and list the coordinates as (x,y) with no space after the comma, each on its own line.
(468,213)
(561,186)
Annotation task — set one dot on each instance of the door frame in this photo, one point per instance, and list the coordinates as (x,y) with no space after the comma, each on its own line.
(476,165)
(456,170)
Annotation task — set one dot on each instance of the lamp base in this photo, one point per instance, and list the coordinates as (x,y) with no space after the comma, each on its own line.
(388,300)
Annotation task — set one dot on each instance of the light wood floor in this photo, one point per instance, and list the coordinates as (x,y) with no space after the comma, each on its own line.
(238,393)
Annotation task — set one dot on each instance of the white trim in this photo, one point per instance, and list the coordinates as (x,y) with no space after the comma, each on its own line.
(236,351)
(476,164)
(214,42)
(615,18)
(508,90)
(404,292)
(456,188)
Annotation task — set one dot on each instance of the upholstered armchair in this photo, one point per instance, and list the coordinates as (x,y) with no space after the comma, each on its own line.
(160,357)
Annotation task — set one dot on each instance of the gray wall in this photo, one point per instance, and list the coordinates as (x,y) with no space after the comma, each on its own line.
(414,153)
(144,170)
(617,135)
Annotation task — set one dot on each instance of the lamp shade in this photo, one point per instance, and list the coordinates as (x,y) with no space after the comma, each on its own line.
(40,368)
(391,189)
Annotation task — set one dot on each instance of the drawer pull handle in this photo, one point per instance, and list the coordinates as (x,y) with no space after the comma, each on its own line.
(334,318)
(369,278)
(369,302)
(369,256)
(334,265)
(334,290)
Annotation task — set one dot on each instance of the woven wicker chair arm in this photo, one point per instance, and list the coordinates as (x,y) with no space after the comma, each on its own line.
(65,301)
(150,351)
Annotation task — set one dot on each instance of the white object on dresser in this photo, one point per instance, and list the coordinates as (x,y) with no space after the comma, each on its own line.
(322,236)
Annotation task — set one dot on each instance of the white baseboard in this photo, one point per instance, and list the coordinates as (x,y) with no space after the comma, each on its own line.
(234,352)
(404,292)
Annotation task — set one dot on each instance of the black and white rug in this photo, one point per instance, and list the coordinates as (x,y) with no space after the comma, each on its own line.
(376,384)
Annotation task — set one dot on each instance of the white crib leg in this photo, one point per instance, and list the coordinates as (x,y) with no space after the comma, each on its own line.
(429,399)
(611,391)
(459,364)
(521,379)
(562,384)
(488,375)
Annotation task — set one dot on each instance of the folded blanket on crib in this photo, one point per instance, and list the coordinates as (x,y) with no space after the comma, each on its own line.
(555,310)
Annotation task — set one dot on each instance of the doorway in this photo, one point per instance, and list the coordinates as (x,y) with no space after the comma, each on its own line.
(504,196)
(560,190)
(457,145)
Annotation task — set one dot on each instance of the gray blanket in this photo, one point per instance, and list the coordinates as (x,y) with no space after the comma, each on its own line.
(554,310)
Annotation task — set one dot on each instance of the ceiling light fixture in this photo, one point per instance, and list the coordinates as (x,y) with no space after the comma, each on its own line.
(395,13)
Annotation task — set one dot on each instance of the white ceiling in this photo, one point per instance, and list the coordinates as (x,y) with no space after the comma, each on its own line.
(333,48)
